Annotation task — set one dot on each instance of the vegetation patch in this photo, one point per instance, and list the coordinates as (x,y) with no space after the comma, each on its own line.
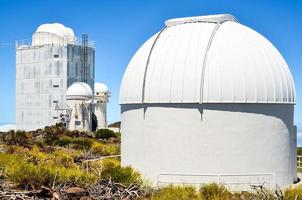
(176,192)
(106,134)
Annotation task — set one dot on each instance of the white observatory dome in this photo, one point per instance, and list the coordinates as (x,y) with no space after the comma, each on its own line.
(208,99)
(79,90)
(208,59)
(53,34)
(101,88)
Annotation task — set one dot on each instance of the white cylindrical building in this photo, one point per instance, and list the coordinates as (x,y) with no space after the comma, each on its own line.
(101,98)
(209,99)
(79,97)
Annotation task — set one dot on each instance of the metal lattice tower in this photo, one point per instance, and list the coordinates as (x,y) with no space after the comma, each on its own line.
(84,71)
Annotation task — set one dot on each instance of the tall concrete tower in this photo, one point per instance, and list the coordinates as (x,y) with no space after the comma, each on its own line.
(45,67)
(101,98)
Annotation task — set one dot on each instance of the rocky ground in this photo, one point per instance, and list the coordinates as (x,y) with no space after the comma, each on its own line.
(105,189)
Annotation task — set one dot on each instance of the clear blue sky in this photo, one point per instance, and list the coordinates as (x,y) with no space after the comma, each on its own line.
(120,27)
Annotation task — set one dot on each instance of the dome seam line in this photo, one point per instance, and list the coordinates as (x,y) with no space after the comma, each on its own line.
(205,59)
(148,61)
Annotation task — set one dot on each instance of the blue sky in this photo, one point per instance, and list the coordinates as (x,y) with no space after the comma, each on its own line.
(120,27)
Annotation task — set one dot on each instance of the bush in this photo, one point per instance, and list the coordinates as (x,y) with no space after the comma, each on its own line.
(98,166)
(16,138)
(15,149)
(34,175)
(214,191)
(293,193)
(82,143)
(176,193)
(124,175)
(77,143)
(105,149)
(105,134)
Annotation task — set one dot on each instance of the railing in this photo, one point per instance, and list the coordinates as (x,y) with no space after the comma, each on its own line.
(41,41)
(99,171)
(234,182)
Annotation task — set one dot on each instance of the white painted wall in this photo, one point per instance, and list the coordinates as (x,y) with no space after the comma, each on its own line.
(80,118)
(101,114)
(209,139)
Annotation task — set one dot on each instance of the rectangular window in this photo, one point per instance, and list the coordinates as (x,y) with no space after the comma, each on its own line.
(55,86)
(56,55)
(55,117)
(55,101)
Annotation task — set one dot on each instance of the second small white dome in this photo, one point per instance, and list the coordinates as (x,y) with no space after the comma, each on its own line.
(100,88)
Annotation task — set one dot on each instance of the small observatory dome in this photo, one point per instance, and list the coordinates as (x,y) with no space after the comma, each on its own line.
(208,99)
(79,91)
(100,88)
(53,34)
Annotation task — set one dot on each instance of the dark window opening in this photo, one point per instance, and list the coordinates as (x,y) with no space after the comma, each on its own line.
(55,101)
(97,93)
(55,86)
(56,55)
(55,117)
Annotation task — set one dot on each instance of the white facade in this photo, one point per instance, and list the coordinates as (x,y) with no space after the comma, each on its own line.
(45,68)
(208,99)
(79,97)
(101,98)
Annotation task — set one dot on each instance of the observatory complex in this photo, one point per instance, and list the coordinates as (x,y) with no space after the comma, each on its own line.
(55,81)
(207,99)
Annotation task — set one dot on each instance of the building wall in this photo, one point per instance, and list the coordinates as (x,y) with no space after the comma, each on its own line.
(198,143)
(101,114)
(43,74)
(80,115)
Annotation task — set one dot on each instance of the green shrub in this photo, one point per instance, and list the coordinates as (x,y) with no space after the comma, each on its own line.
(98,166)
(16,138)
(293,193)
(105,134)
(34,175)
(176,193)
(214,191)
(15,149)
(50,138)
(77,143)
(124,175)
(82,143)
(62,142)
(105,149)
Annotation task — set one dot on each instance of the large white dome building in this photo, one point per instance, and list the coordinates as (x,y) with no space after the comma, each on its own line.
(209,99)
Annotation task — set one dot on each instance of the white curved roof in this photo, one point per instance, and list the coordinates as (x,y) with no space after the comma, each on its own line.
(100,88)
(79,90)
(214,61)
(48,33)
